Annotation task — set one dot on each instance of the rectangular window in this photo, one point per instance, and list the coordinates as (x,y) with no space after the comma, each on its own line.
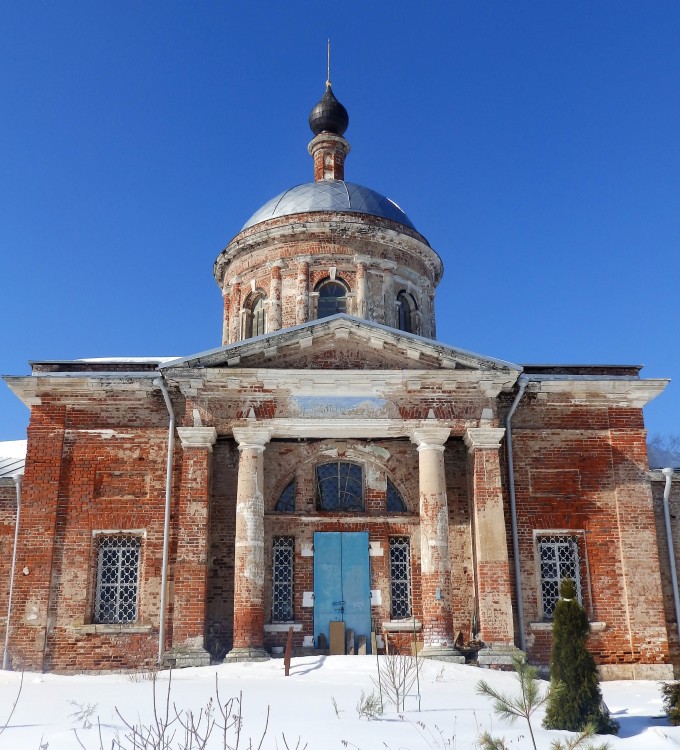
(118,563)
(559,559)
(400,576)
(282,580)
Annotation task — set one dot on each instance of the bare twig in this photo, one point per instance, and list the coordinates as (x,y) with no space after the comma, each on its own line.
(14,705)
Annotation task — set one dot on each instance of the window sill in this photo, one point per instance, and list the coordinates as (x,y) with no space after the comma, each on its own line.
(402,626)
(282,627)
(541,627)
(112,629)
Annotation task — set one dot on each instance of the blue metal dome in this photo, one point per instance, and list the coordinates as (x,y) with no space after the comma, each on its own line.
(329,195)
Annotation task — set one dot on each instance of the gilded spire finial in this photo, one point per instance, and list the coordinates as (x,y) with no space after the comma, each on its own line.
(328,68)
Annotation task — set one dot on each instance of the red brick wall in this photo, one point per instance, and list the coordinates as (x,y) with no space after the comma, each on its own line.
(583,469)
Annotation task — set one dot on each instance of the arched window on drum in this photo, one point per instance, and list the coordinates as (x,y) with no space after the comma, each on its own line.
(256,318)
(332,298)
(406,313)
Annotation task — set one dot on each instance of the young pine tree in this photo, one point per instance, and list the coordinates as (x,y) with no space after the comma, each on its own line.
(575,700)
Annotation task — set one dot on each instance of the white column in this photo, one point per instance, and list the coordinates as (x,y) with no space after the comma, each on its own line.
(435,561)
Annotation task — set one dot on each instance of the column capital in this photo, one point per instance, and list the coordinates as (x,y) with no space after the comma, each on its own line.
(431,437)
(483,438)
(252,437)
(197,437)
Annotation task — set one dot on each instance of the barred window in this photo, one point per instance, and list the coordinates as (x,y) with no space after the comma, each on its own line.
(395,502)
(559,559)
(286,501)
(118,563)
(400,576)
(282,586)
(339,486)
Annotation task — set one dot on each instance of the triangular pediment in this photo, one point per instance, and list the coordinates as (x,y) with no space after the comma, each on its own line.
(340,342)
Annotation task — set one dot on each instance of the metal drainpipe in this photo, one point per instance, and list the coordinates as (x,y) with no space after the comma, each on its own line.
(668,473)
(166,523)
(522,382)
(5,654)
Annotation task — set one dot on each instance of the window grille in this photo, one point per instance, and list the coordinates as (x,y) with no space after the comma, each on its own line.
(332,299)
(282,587)
(559,559)
(118,559)
(286,501)
(395,502)
(339,486)
(400,576)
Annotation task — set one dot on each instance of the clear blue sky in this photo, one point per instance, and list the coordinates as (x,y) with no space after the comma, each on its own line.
(535,144)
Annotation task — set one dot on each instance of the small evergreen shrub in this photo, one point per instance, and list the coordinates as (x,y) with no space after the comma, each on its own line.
(575,699)
(671,701)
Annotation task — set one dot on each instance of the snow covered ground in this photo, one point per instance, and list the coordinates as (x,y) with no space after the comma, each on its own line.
(303,706)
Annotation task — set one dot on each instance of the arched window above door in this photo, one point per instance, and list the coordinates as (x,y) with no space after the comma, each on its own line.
(332,298)
(339,486)
(286,501)
(395,502)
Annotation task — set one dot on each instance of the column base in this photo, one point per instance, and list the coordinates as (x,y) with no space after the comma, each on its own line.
(179,657)
(246,654)
(442,653)
(498,656)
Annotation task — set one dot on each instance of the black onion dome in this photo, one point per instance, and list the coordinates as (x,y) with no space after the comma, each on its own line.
(328,116)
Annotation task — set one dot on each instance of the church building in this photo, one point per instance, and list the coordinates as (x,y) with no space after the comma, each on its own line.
(331,462)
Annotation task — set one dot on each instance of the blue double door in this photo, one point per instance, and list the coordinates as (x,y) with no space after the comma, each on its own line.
(342,590)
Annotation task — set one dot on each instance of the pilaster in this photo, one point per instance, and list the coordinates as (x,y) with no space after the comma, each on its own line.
(302,301)
(234,308)
(362,290)
(191,562)
(275,299)
(225,317)
(494,592)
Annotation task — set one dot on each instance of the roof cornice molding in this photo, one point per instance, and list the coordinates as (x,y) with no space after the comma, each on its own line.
(345,228)
(630,392)
(302,382)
